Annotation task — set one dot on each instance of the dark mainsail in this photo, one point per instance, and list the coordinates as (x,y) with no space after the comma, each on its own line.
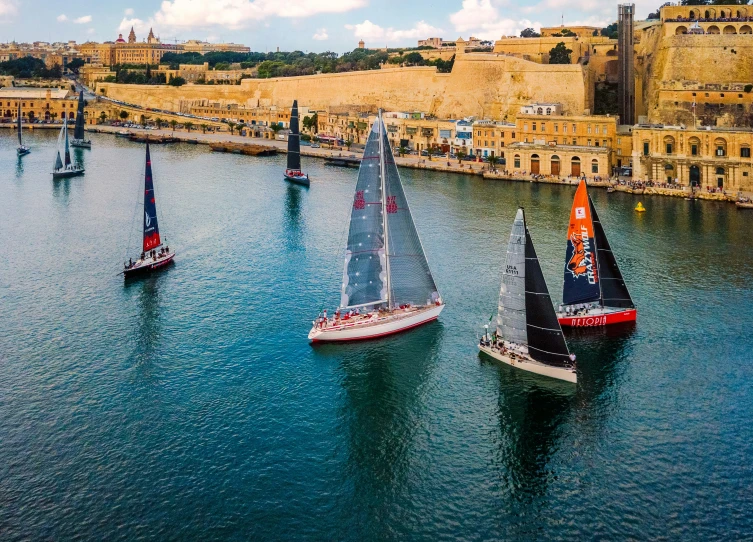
(546,343)
(78,131)
(18,124)
(151,229)
(614,292)
(294,140)
(365,273)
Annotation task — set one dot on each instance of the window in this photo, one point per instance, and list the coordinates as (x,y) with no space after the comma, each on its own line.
(603,142)
(525,127)
(574,128)
(516,162)
(720,150)
(619,152)
(669,148)
(478,133)
(594,166)
(575,141)
(645,148)
(548,110)
(589,142)
(745,152)
(556,128)
(533,127)
(694,150)
(589,129)
(543,127)
(513,135)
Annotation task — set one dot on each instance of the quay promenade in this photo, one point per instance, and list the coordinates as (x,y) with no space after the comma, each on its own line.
(437,163)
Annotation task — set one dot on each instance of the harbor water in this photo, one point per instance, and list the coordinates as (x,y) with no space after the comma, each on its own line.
(189,405)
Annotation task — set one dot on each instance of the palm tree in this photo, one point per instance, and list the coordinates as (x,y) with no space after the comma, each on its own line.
(173,124)
(348,143)
(204,128)
(188,125)
(159,122)
(402,151)
(102,117)
(232,126)
(493,161)
(461,154)
(53,116)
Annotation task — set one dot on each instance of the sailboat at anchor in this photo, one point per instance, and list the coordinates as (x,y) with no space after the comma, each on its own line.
(62,170)
(79,139)
(387,284)
(22,149)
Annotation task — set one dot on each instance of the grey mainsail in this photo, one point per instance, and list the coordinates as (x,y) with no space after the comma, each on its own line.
(67,146)
(511,315)
(78,131)
(364,276)
(58,162)
(411,281)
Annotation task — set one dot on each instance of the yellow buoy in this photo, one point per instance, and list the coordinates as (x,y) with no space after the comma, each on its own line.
(640,208)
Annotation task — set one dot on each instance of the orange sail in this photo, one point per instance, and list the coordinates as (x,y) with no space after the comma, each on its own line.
(581,269)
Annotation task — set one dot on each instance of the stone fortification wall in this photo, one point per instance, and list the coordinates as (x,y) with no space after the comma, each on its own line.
(482,85)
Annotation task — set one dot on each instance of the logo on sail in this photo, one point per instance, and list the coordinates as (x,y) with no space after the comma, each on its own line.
(581,262)
(147,220)
(580,212)
(391,204)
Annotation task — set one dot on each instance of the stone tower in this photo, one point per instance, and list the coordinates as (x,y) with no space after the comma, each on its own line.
(151,38)
(132,36)
(361,45)
(626,77)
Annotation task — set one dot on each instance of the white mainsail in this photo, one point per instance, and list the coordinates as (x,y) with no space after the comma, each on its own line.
(511,316)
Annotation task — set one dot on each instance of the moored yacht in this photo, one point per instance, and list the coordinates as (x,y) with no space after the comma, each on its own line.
(22,149)
(79,139)
(387,284)
(293,171)
(64,169)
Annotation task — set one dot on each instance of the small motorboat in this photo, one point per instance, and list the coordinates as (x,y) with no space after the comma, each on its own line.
(744,203)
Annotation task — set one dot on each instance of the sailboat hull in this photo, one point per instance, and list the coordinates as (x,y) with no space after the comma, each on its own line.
(81,143)
(599,317)
(64,174)
(22,151)
(375,327)
(148,266)
(526,363)
(303,180)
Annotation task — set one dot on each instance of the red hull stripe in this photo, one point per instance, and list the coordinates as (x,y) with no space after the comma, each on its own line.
(375,336)
(620,317)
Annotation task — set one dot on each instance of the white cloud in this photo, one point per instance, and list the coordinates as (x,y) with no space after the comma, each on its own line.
(62,18)
(90,31)
(8,8)
(83,19)
(128,12)
(481,19)
(371,32)
(321,34)
(141,28)
(234,14)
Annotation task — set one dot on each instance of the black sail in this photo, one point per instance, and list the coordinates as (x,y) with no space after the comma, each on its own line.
(614,292)
(294,140)
(546,343)
(20,139)
(78,131)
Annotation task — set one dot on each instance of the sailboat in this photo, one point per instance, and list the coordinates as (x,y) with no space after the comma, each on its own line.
(594,293)
(78,131)
(293,172)
(154,255)
(22,149)
(527,336)
(65,169)
(387,284)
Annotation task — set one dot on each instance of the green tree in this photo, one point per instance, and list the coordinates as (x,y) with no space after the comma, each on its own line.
(231,125)
(275,127)
(529,33)
(460,154)
(123,114)
(414,59)
(610,31)
(348,143)
(402,151)
(75,65)
(204,128)
(493,161)
(159,122)
(173,124)
(102,117)
(560,54)
(188,125)
(177,81)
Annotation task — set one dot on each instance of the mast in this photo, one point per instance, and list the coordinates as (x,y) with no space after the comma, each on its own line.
(595,223)
(20,142)
(383,178)
(67,147)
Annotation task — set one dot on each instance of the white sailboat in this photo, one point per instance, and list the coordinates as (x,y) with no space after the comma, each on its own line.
(528,335)
(65,169)
(387,284)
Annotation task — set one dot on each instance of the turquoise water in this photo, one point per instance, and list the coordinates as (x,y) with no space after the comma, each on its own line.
(189,405)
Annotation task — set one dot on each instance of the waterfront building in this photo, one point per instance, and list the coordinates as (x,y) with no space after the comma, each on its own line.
(46,104)
(705,157)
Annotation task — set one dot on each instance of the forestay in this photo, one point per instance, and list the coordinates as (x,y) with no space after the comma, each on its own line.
(364,275)
(614,292)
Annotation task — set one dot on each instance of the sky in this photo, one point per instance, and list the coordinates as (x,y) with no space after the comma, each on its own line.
(306,25)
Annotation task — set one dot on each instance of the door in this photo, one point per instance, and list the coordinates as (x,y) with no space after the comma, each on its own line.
(555,167)
(534,166)
(575,169)
(695,176)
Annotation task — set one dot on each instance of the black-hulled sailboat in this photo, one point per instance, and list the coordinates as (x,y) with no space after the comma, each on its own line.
(528,335)
(594,293)
(22,149)
(387,284)
(155,255)
(293,171)
(62,170)
(79,139)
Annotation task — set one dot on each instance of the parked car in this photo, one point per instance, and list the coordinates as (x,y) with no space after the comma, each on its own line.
(316,146)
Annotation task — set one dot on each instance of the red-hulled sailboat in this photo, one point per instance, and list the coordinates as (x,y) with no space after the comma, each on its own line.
(594,293)
(155,255)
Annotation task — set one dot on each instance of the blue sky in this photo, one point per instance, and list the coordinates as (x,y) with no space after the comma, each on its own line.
(308,25)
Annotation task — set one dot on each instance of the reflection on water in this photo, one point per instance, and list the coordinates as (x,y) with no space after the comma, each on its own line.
(148,317)
(78,156)
(293,219)
(61,189)
(19,167)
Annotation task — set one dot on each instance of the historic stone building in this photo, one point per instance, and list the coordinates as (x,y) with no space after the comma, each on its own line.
(46,104)
(705,157)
